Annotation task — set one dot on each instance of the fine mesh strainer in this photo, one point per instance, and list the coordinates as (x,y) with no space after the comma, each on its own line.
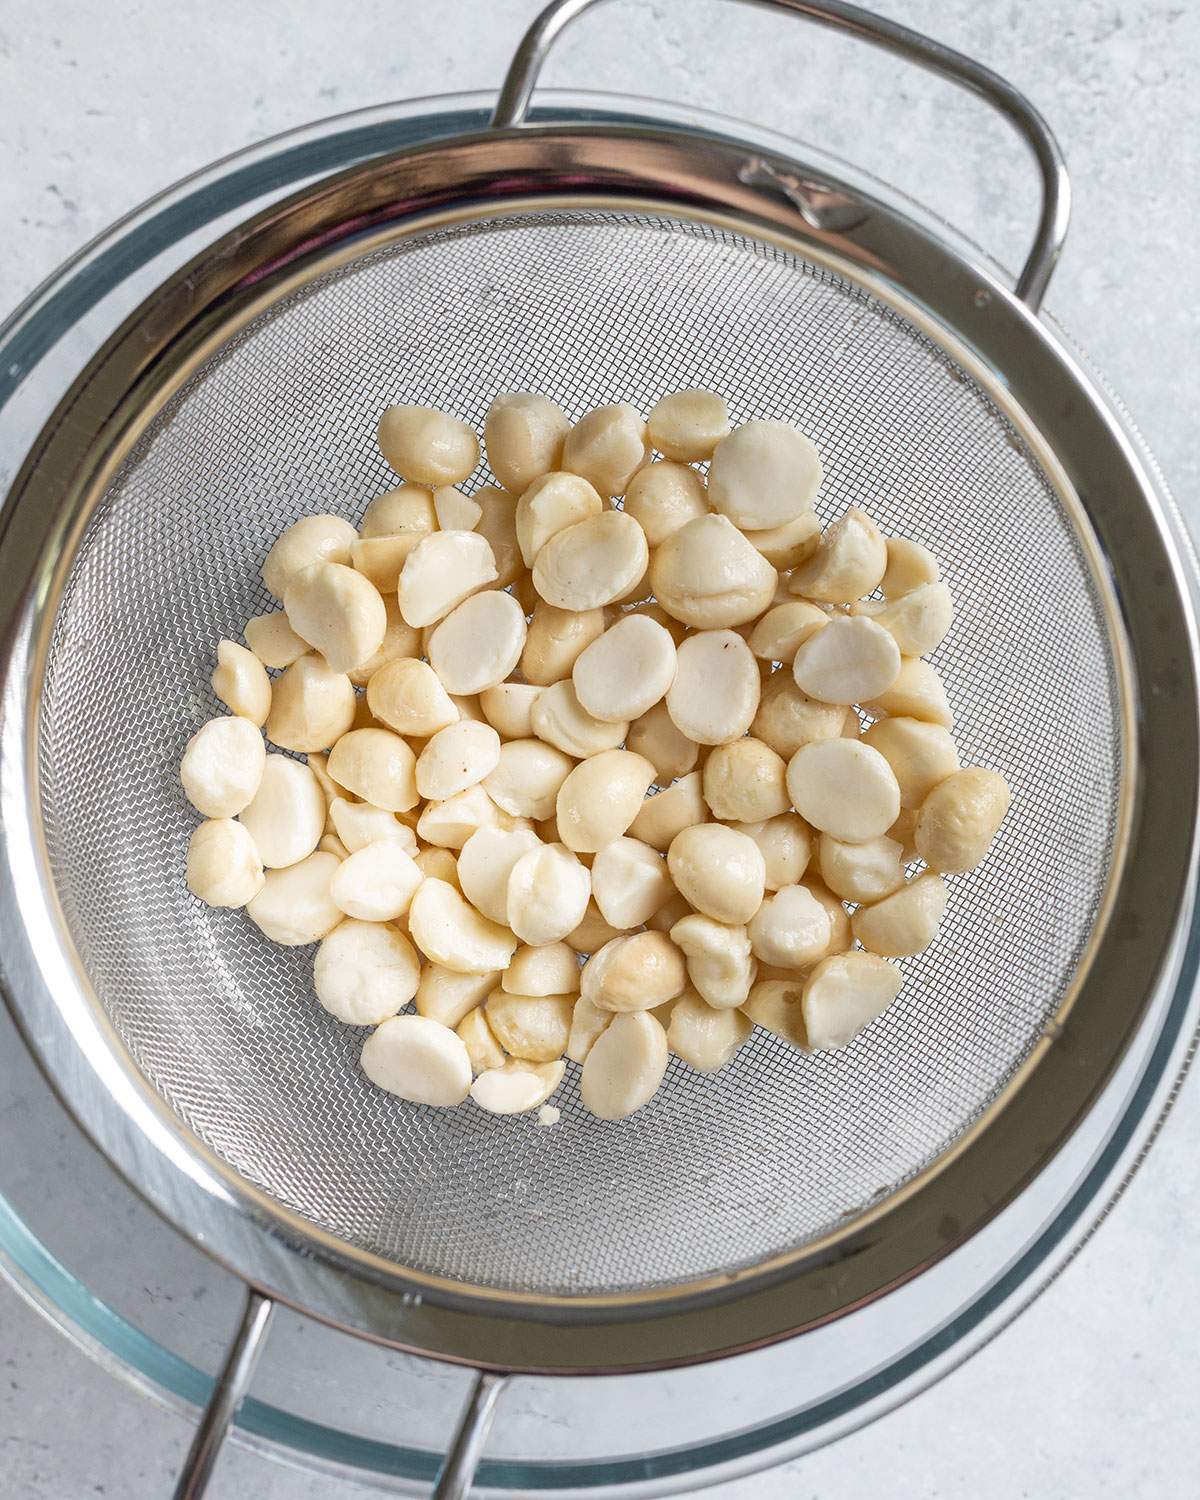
(592,262)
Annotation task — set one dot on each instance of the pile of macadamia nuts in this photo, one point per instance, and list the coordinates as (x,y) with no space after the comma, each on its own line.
(590,780)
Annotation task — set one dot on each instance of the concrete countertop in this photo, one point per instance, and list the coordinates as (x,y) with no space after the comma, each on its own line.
(1091,1392)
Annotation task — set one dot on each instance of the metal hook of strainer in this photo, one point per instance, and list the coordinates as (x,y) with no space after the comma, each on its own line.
(511,110)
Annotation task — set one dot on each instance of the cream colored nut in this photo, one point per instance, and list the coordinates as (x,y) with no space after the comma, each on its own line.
(469,711)
(704,1037)
(921,755)
(441,571)
(498,524)
(294,906)
(960,818)
(223,865)
(451,823)
(318,764)
(785,844)
(376,766)
(548,892)
(592,933)
(905,922)
(719,961)
(552,969)
(607,447)
(508,707)
(457,757)
(426,446)
(852,660)
(418,1060)
(851,726)
(763,474)
(483,1050)
(454,510)
(329,843)
(222,767)
(338,612)
(241,683)
(787,546)
(309,540)
(407,508)
(783,629)
(560,720)
(862,872)
(790,929)
(399,639)
(600,798)
(273,640)
(587,1022)
(845,788)
(788,719)
(716,690)
(380,559)
(630,882)
(776,1006)
(624,1066)
(909,565)
(555,640)
(848,563)
(708,575)
(626,671)
(486,863)
(478,644)
(591,563)
(524,436)
(719,871)
(359,825)
(446,997)
(525,594)
(551,504)
(917,693)
(917,622)
(636,971)
(656,736)
(449,931)
(516,1087)
(407,695)
(376,884)
(745,782)
(286,816)
(365,972)
(840,937)
(844,994)
(663,497)
(687,425)
(665,815)
(312,706)
(527,778)
(534,1027)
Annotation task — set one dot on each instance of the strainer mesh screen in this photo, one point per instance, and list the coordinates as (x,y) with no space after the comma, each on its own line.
(721,1170)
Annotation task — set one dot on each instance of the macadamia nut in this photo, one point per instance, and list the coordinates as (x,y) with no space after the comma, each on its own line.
(241,683)
(600,798)
(715,694)
(310,540)
(337,611)
(959,819)
(687,425)
(444,568)
(365,972)
(286,817)
(663,497)
(844,994)
(625,672)
(709,576)
(223,864)
(478,643)
(592,563)
(607,447)
(294,906)
(703,1036)
(844,788)
(523,434)
(376,884)
(764,474)
(273,640)
(550,505)
(426,446)
(222,767)
(418,1060)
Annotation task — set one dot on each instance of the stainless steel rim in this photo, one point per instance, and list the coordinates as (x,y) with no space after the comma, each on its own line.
(897,261)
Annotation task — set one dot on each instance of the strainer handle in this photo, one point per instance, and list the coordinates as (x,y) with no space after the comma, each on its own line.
(458,1469)
(513,104)
(228,1389)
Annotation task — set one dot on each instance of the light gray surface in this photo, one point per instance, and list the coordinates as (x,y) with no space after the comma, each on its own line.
(1091,1392)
